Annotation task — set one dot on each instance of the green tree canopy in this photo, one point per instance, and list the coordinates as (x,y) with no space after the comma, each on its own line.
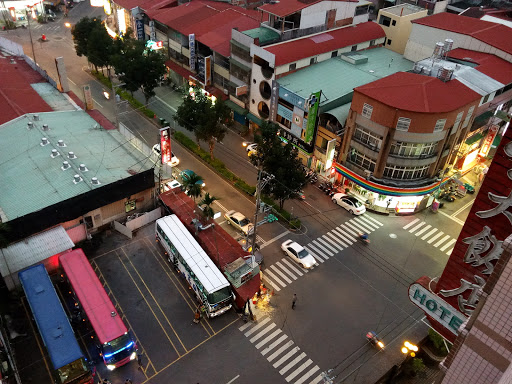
(200,115)
(100,47)
(192,185)
(279,159)
(81,32)
(207,202)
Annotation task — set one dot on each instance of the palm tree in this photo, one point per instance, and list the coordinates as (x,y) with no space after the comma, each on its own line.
(207,202)
(193,184)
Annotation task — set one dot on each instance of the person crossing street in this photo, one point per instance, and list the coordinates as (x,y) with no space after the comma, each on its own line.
(294,300)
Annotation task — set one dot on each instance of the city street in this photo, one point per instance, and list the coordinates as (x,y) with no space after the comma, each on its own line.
(353,288)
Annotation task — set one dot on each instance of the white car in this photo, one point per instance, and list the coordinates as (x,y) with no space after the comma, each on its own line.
(174,160)
(239,221)
(251,147)
(171,185)
(350,203)
(298,253)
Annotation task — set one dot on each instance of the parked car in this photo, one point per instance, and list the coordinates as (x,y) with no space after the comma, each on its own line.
(298,253)
(250,147)
(239,221)
(187,174)
(350,203)
(171,185)
(50,15)
(174,160)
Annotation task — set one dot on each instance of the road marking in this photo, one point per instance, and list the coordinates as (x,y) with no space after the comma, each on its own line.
(462,208)
(263,332)
(319,246)
(333,242)
(220,206)
(423,230)
(97,102)
(299,370)
(448,244)
(256,327)
(291,266)
(308,375)
(327,246)
(359,227)
(318,379)
(349,229)
(440,233)
(281,274)
(449,252)
(280,350)
(428,234)
(271,283)
(356,230)
(246,325)
(344,235)
(318,258)
(460,222)
(285,269)
(441,241)
(287,367)
(274,277)
(416,227)
(374,220)
(268,338)
(411,223)
(72,82)
(274,344)
(163,102)
(274,239)
(365,219)
(233,379)
(364,224)
(336,237)
(290,353)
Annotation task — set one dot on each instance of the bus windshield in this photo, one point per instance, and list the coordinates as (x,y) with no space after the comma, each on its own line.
(219,296)
(73,371)
(118,349)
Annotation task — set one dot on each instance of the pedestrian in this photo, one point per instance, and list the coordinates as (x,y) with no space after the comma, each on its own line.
(197,316)
(294,300)
(139,360)
(388,203)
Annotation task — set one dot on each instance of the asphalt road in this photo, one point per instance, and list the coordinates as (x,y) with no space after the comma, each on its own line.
(354,288)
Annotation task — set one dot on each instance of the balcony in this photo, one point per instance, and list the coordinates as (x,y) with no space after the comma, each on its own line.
(414,157)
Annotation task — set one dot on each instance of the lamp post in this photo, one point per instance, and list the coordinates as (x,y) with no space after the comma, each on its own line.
(30,34)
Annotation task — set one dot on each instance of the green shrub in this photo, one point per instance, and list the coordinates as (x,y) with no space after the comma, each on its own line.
(438,342)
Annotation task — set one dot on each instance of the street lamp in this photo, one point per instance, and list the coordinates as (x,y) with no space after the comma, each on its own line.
(409,349)
(67,24)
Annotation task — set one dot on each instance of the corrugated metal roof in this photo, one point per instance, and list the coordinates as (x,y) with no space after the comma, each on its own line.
(284,8)
(491,65)
(338,78)
(30,179)
(341,113)
(33,250)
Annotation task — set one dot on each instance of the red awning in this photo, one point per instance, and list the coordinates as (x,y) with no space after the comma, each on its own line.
(216,92)
(183,72)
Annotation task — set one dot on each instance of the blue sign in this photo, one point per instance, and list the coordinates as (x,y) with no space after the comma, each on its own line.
(139,24)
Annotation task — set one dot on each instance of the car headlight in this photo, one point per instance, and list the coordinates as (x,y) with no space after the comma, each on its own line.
(133,356)
(111,367)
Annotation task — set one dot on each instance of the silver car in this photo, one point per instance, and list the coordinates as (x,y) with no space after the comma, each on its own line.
(298,253)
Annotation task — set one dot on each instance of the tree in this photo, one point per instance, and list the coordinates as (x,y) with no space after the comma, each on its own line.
(154,64)
(193,185)
(100,47)
(200,115)
(207,202)
(129,64)
(279,159)
(81,32)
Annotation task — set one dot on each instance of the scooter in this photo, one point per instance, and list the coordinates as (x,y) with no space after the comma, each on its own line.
(106,95)
(374,340)
(364,238)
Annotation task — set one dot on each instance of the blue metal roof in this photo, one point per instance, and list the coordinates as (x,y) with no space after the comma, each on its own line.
(50,317)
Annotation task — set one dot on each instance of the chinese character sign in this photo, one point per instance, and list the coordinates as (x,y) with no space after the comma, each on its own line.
(165,145)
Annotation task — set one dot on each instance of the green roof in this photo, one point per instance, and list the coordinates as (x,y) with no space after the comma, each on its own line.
(337,78)
(30,179)
(340,113)
(266,35)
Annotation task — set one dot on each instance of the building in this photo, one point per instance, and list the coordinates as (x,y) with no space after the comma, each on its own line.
(396,23)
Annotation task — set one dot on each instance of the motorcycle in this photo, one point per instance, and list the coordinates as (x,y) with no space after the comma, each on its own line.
(364,238)
(374,340)
(106,95)
(323,186)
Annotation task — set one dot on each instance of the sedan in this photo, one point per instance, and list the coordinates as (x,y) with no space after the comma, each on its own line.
(350,203)
(171,185)
(250,146)
(187,174)
(298,253)
(239,221)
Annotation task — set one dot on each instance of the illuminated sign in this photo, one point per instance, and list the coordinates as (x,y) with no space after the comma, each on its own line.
(97,3)
(405,206)
(139,25)
(313,102)
(241,90)
(329,153)
(121,22)
(154,45)
(274,100)
(152,33)
(493,131)
(165,145)
(208,70)
(192,48)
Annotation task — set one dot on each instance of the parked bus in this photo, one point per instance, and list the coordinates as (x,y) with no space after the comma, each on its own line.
(115,342)
(209,284)
(68,361)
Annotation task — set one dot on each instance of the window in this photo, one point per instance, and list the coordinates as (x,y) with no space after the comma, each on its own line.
(468,117)
(372,43)
(385,21)
(367,111)
(368,138)
(412,150)
(292,67)
(440,125)
(287,123)
(393,23)
(323,143)
(485,99)
(457,121)
(312,61)
(334,54)
(403,124)
(405,173)
(389,41)
(361,160)
(354,48)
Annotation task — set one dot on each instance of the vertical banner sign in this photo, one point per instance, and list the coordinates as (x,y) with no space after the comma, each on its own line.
(165,145)
(192,48)
(152,35)
(329,153)
(88,98)
(139,23)
(314,101)
(208,70)
(274,100)
(493,131)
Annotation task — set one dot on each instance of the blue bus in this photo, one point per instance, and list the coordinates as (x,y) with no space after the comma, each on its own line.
(69,364)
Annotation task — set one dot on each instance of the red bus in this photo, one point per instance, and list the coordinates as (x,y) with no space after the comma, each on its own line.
(114,341)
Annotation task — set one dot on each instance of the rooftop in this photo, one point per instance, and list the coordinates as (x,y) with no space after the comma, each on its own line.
(332,40)
(496,35)
(337,78)
(266,35)
(490,65)
(17,93)
(145,4)
(403,9)
(419,93)
(284,8)
(30,179)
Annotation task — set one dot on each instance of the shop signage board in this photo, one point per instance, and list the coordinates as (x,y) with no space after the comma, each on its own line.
(208,70)
(165,145)
(274,100)
(493,131)
(139,25)
(89,104)
(313,101)
(192,48)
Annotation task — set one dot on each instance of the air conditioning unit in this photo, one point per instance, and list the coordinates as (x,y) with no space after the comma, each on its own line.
(226,92)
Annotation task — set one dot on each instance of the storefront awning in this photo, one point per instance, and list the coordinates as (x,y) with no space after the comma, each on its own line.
(254,119)
(235,107)
(183,72)
(340,113)
(473,139)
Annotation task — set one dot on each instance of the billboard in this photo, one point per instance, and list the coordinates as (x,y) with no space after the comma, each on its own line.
(313,101)
(478,247)
(165,145)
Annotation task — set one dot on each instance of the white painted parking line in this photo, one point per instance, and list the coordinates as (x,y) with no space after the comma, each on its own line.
(411,223)
(291,266)
(274,344)
(280,350)
(363,224)
(417,226)
(263,332)
(336,237)
(328,246)
(428,234)
(441,241)
(260,324)
(369,222)
(294,374)
(440,233)
(290,353)
(288,366)
(318,258)
(320,246)
(285,269)
(308,375)
(274,277)
(448,245)
(281,274)
(271,283)
(268,338)
(334,243)
(423,230)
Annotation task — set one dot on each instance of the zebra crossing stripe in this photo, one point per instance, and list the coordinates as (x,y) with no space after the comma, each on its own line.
(246,325)
(308,375)
(345,235)
(281,274)
(336,238)
(448,244)
(423,230)
(364,225)
(271,283)
(290,353)
(355,227)
(280,350)
(428,234)
(292,363)
(268,338)
(411,223)
(334,243)
(263,332)
(435,237)
(274,277)
(374,220)
(317,244)
(313,254)
(274,344)
(441,241)
(412,230)
(322,241)
(371,223)
(449,252)
(298,370)
(257,326)
(286,270)
(349,229)
(291,266)
(317,379)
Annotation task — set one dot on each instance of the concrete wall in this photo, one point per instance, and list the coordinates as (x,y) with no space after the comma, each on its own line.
(399,33)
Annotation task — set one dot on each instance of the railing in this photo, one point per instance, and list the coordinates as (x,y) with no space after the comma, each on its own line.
(416,157)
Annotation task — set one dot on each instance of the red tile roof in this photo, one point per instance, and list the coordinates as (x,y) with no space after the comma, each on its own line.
(284,8)
(17,97)
(490,65)
(294,50)
(144,4)
(419,93)
(496,35)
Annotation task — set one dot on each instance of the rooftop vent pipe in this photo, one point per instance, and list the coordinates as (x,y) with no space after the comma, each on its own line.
(438,50)
(82,168)
(65,165)
(77,179)
(30,125)
(45,127)
(35,117)
(60,143)
(95,181)
(44,141)
(55,153)
(71,155)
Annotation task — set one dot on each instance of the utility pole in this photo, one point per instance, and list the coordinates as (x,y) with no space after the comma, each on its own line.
(30,34)
(259,187)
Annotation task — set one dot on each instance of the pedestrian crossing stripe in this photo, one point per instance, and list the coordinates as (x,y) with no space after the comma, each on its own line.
(349,229)
(274,277)
(423,230)
(440,233)
(271,283)
(281,274)
(375,224)
(447,245)
(283,269)
(293,363)
(317,244)
(334,241)
(429,234)
(412,230)
(435,237)
(317,251)
(364,225)
(324,242)
(411,223)
(291,266)
(317,258)
(369,218)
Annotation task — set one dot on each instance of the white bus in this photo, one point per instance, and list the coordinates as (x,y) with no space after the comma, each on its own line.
(210,285)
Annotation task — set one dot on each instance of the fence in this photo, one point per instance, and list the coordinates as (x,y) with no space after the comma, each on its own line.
(130,226)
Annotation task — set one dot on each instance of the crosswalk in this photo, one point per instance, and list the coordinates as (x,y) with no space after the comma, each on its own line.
(431,235)
(46,27)
(285,271)
(280,351)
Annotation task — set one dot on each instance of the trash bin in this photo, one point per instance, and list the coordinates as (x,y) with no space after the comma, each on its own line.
(161,121)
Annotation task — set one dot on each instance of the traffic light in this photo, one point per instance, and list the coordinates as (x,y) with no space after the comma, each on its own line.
(409,348)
